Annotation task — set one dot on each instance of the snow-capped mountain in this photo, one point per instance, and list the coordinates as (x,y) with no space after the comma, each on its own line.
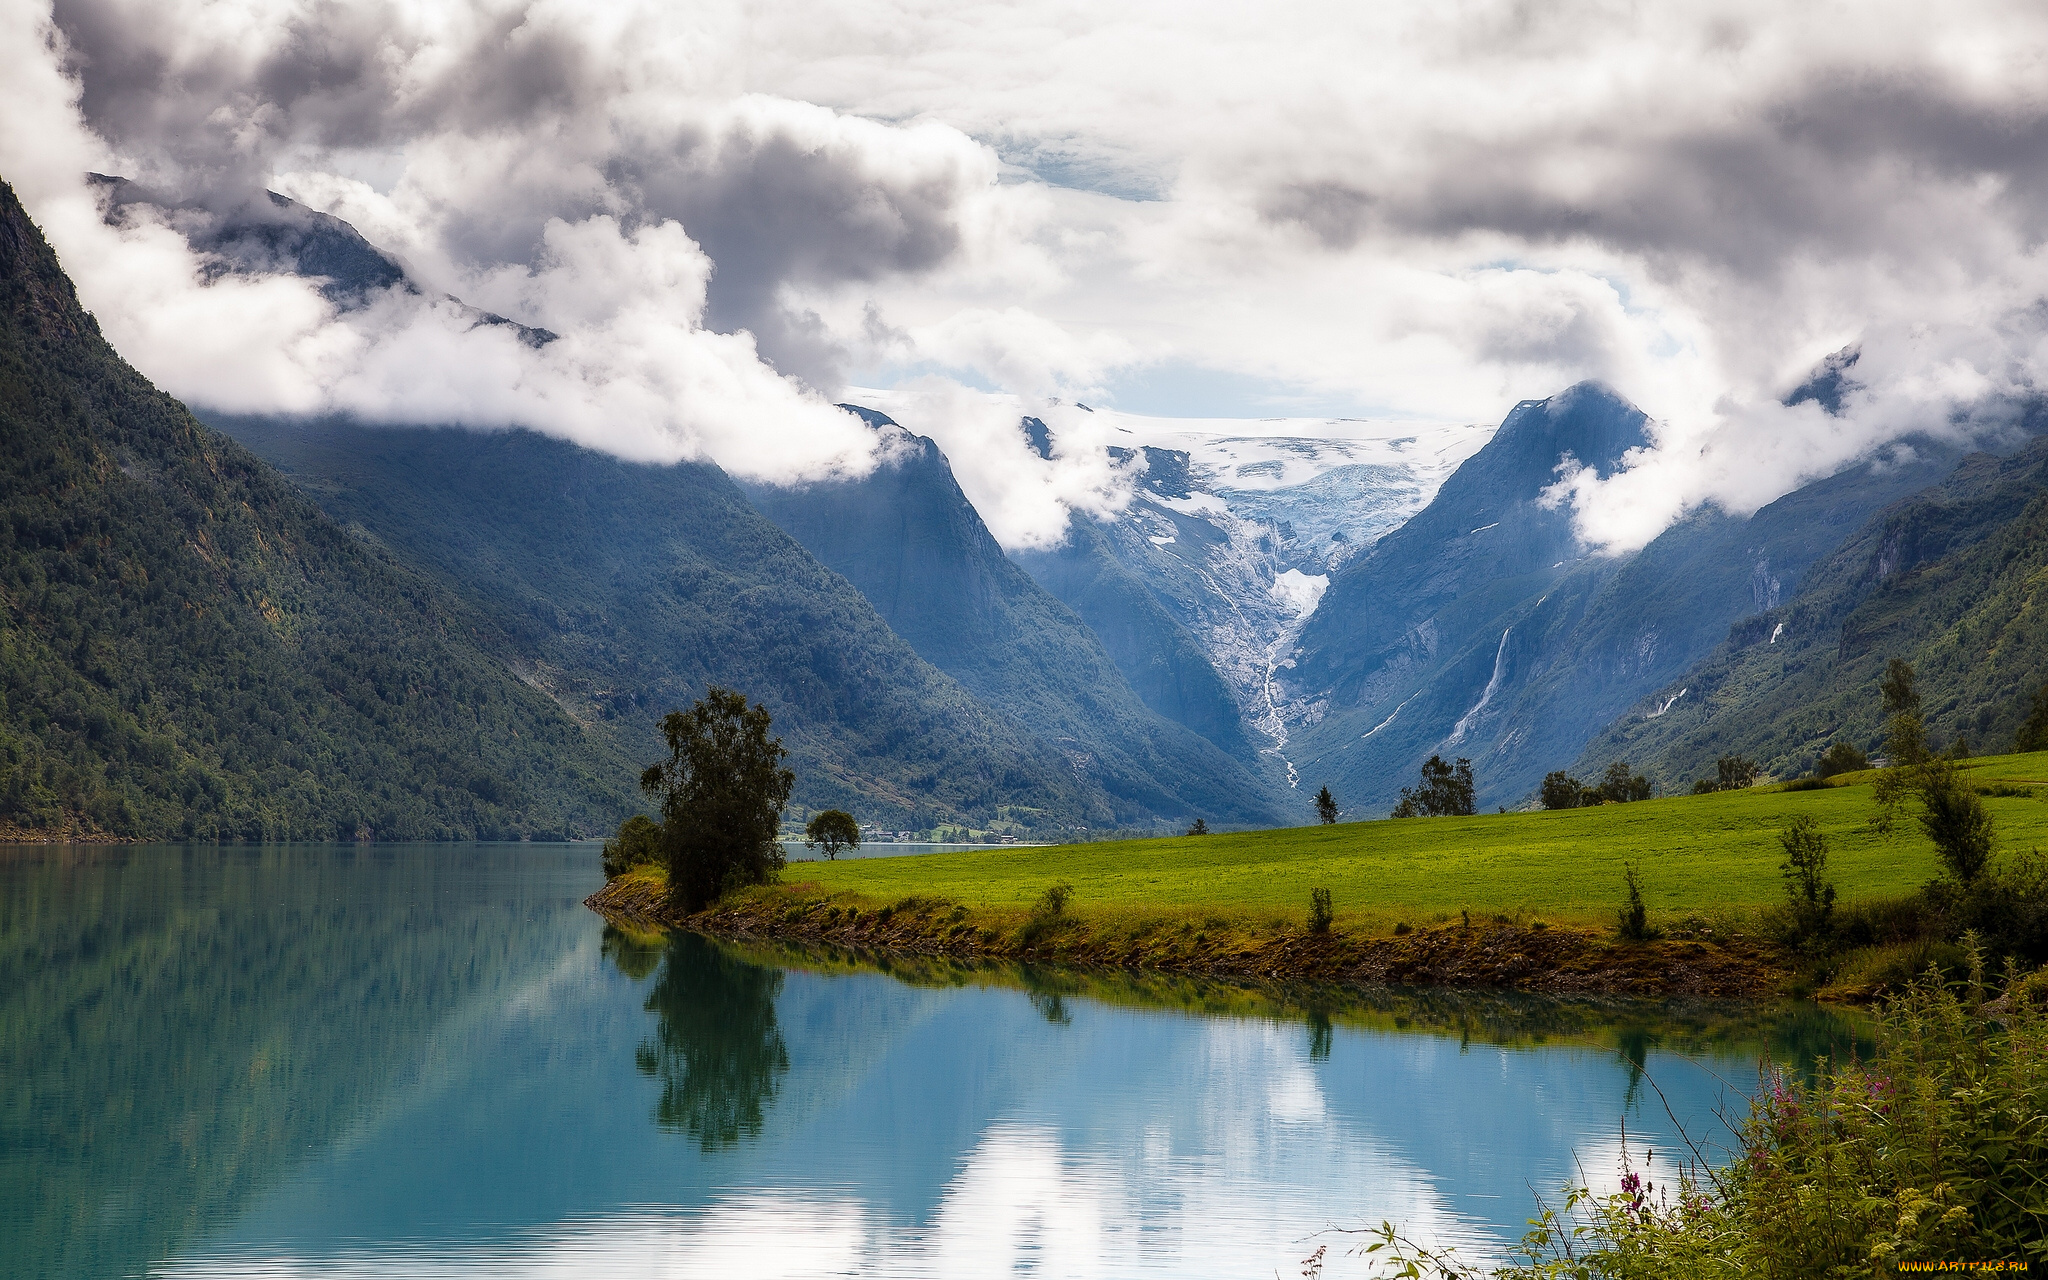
(1234,527)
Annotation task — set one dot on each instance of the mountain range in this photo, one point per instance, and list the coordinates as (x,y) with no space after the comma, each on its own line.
(271,628)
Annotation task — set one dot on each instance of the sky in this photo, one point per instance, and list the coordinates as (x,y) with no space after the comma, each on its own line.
(730,213)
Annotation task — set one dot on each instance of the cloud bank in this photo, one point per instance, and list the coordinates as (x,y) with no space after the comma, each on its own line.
(728,212)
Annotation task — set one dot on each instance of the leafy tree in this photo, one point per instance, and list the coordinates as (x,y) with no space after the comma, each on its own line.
(1326,806)
(1905,744)
(638,844)
(1445,791)
(1806,871)
(722,791)
(1704,786)
(1733,773)
(1562,791)
(831,831)
(2033,735)
(1842,757)
(1200,828)
(1619,786)
(1954,819)
(1905,734)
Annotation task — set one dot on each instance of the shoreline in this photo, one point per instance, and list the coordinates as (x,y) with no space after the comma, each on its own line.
(1557,960)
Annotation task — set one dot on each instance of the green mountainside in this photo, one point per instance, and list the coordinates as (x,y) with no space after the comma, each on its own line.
(630,587)
(189,648)
(1947,579)
(907,537)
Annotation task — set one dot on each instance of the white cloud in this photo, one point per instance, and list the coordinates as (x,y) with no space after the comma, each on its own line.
(1415,210)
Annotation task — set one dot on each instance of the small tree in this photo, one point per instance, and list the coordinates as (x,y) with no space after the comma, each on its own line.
(1620,786)
(832,831)
(1200,828)
(1319,912)
(1905,735)
(638,844)
(722,792)
(1733,773)
(1446,790)
(1326,806)
(1842,757)
(1806,875)
(1634,918)
(1562,791)
(1954,819)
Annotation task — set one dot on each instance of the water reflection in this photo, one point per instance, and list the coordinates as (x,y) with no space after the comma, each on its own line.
(435,1062)
(716,1048)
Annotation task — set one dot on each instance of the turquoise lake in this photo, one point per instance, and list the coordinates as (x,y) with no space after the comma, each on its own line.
(434,1061)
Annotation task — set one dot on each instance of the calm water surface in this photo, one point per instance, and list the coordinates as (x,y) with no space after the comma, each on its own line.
(433,1061)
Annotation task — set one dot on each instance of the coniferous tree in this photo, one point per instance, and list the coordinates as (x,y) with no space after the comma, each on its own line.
(1326,806)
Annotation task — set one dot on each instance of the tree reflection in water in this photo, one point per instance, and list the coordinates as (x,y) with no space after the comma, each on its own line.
(716,1048)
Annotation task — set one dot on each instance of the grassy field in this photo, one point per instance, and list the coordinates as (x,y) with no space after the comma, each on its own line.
(1706,855)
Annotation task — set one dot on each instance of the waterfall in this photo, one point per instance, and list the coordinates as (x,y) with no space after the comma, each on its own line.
(1499,665)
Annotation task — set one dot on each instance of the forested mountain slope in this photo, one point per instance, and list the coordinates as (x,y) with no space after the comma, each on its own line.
(189,648)
(629,587)
(1947,579)
(916,548)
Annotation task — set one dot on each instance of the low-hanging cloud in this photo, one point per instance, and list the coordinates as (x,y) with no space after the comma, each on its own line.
(727,211)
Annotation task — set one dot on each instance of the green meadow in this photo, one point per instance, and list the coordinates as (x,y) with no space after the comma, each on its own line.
(1711,856)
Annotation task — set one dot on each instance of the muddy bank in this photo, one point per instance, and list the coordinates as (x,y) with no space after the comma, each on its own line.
(1552,960)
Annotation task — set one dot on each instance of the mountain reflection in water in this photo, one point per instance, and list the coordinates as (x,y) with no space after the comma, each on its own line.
(433,1061)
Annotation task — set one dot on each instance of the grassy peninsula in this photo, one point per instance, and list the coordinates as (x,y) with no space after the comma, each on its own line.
(1519,899)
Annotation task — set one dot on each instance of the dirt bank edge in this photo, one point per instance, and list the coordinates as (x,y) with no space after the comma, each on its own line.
(1514,957)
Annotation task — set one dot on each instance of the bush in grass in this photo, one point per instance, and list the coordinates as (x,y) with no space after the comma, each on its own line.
(1934,1151)
(1805,868)
(1047,914)
(1634,917)
(1319,913)
(1954,819)
(1842,758)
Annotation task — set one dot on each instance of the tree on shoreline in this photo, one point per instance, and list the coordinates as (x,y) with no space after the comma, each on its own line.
(832,831)
(722,789)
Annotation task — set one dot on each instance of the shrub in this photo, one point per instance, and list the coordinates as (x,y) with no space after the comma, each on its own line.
(638,844)
(1934,1151)
(1704,787)
(1634,917)
(1403,928)
(1842,756)
(1955,820)
(1200,828)
(1805,869)
(1319,913)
